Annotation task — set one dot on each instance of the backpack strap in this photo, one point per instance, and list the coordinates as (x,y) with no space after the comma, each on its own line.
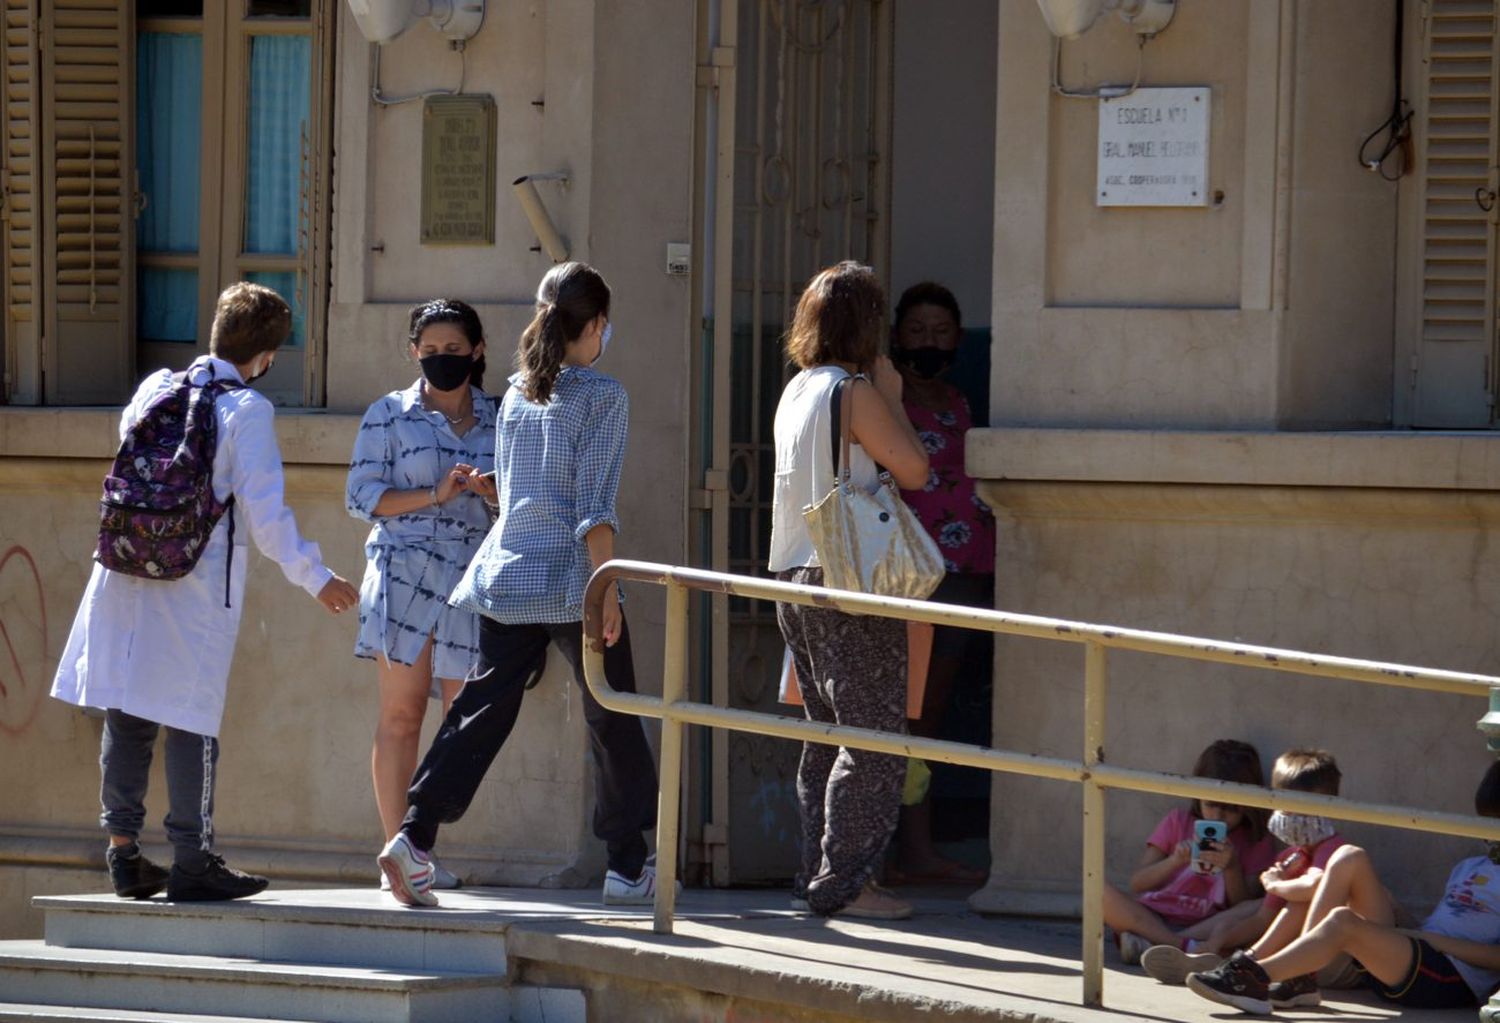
(212,389)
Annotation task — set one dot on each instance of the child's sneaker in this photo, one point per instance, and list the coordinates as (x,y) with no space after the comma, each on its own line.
(1132,947)
(1239,982)
(1297,993)
(409,871)
(133,876)
(618,891)
(214,883)
(1168,964)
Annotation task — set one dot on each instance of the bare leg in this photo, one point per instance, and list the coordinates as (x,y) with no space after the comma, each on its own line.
(1125,914)
(1204,930)
(403,703)
(1287,927)
(1383,951)
(1350,880)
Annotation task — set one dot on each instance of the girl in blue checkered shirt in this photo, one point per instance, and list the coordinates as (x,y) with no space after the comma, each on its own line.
(559,445)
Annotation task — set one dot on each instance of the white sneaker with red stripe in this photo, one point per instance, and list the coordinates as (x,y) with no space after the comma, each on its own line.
(619,891)
(409,870)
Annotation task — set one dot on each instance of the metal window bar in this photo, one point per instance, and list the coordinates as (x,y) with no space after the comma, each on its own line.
(675,712)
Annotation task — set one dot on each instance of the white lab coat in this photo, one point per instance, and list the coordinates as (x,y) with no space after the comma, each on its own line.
(161,650)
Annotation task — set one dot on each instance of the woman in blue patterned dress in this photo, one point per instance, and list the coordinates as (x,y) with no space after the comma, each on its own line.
(410,479)
(560,446)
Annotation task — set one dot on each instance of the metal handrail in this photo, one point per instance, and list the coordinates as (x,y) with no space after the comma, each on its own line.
(1091,771)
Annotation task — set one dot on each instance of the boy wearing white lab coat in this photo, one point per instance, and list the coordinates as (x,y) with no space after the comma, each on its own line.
(154,653)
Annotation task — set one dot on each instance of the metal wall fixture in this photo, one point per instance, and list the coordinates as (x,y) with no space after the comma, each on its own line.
(1069,19)
(536,212)
(382,21)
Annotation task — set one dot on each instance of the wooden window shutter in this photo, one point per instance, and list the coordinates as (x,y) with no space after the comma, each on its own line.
(88,238)
(1457,339)
(20,249)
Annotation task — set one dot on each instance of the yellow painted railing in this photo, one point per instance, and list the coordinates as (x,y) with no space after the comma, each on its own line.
(675,712)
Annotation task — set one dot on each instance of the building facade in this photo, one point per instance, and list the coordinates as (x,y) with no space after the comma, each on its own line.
(1264,416)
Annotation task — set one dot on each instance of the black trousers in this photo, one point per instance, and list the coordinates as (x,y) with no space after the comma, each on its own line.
(484,713)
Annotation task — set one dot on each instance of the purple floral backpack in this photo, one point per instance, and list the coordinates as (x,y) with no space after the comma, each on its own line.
(158,508)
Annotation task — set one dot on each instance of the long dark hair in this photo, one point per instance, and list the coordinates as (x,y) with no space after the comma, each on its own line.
(1233,760)
(450,310)
(567,300)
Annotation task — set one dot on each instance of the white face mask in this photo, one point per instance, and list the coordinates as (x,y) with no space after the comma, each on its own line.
(609,330)
(1300,829)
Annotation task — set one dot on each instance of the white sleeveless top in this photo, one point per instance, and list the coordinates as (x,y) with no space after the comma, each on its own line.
(804,464)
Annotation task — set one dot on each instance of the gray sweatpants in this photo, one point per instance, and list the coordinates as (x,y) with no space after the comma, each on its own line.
(125,763)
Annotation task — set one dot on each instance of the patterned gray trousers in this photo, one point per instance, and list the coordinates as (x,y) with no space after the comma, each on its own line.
(852,671)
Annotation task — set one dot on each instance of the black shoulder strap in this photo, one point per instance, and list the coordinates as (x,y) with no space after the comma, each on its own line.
(836,413)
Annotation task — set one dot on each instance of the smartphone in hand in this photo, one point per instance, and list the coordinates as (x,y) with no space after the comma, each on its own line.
(1206,836)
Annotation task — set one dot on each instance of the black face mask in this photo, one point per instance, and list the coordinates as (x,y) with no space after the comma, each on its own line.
(256,376)
(447,372)
(926,362)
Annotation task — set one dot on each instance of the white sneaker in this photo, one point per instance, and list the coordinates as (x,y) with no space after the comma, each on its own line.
(1132,947)
(641,892)
(409,871)
(1168,964)
(442,877)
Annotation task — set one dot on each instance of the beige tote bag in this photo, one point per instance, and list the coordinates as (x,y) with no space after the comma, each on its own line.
(870,543)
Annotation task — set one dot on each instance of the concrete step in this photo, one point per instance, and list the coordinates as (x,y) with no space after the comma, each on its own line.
(34,972)
(15,1012)
(356,928)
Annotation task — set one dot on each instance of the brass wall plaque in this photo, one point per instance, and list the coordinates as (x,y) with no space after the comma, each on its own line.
(458,170)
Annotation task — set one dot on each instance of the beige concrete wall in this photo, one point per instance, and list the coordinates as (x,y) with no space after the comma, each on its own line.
(1272,306)
(294,794)
(1364,545)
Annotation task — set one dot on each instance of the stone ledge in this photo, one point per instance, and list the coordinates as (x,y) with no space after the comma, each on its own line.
(1377,459)
(306,436)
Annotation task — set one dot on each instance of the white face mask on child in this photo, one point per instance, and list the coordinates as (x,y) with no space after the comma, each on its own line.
(1300,829)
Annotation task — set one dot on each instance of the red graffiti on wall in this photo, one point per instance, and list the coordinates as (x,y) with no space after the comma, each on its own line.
(23,640)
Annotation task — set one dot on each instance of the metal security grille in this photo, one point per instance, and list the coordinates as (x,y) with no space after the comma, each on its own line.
(811,110)
(811,188)
(1454,368)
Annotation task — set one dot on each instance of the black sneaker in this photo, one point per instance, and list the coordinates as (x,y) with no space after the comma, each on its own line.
(214,884)
(1298,993)
(133,876)
(1239,982)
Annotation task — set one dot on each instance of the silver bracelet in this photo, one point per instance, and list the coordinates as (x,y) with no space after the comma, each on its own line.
(432,496)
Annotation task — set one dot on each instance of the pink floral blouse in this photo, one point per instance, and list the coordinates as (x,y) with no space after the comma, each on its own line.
(949,505)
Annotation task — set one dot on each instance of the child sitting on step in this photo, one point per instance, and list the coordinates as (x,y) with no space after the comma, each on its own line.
(1453,961)
(1176,896)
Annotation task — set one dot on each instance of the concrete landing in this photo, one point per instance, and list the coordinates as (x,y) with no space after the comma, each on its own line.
(746,954)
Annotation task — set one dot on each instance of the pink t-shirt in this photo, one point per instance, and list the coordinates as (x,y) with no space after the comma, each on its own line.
(1189,896)
(1298,859)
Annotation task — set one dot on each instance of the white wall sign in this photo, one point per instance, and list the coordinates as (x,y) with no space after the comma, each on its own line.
(1153,148)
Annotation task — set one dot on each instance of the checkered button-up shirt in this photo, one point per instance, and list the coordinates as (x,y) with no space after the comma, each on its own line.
(557,468)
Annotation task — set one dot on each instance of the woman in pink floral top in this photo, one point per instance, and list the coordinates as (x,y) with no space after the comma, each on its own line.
(925,344)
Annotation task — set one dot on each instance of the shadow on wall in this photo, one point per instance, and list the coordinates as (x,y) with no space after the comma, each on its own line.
(971,372)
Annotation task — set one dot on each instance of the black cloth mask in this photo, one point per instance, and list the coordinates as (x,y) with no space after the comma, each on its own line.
(927,361)
(447,372)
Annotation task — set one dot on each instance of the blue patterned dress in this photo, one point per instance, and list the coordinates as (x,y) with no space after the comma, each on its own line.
(414,560)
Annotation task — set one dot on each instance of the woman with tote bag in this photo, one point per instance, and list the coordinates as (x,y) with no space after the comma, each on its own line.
(851,668)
